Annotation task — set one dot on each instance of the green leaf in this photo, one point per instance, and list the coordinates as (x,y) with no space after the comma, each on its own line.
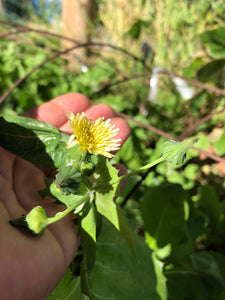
(117,275)
(88,260)
(211,267)
(184,283)
(191,171)
(135,30)
(106,186)
(201,277)
(219,145)
(68,200)
(89,220)
(67,289)
(163,214)
(211,70)
(175,152)
(209,203)
(204,141)
(33,140)
(215,41)
(68,178)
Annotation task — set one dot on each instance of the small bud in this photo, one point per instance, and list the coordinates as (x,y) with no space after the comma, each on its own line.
(37,220)
(175,152)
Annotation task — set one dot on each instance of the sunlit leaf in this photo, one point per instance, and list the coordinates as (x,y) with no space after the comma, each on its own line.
(33,140)
(68,200)
(107,184)
(89,220)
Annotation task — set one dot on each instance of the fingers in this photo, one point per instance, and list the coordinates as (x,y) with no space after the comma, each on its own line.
(64,231)
(94,112)
(124,127)
(55,112)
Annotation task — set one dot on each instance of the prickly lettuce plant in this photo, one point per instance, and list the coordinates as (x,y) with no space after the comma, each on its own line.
(85,182)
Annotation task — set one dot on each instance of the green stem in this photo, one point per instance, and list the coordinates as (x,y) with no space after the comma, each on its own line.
(144,168)
(84,156)
(68,210)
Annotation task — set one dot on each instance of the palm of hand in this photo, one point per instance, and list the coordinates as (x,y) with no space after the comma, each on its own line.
(39,261)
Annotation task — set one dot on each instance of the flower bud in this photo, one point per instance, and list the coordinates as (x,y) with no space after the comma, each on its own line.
(37,220)
(175,152)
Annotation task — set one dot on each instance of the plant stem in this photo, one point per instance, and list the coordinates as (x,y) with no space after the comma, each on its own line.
(144,168)
(68,210)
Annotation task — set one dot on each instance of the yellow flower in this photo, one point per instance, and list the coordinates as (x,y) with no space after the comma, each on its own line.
(94,137)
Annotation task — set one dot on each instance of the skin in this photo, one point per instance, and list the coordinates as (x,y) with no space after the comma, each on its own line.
(32,266)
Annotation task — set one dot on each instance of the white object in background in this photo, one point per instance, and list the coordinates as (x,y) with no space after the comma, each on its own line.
(152,95)
(84,68)
(185,91)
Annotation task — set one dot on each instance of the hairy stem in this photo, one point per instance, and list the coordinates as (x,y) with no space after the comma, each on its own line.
(68,210)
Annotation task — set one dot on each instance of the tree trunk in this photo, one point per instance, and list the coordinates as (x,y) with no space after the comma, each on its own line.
(76,18)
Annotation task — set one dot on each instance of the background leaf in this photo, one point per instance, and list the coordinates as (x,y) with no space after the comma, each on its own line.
(117,275)
(209,203)
(215,41)
(211,70)
(219,145)
(67,289)
(163,214)
(200,279)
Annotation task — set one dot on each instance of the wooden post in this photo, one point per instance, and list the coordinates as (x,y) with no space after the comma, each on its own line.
(76,18)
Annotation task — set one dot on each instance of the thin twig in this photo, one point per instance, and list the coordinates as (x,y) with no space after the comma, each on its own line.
(134,188)
(43,32)
(200,122)
(195,83)
(168,136)
(108,86)
(34,44)
(210,155)
(91,44)
(17,82)
(9,33)
(149,127)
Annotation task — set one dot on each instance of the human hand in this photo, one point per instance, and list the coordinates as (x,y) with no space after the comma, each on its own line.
(32,266)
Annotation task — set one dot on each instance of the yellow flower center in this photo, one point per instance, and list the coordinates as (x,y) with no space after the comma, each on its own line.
(94,137)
